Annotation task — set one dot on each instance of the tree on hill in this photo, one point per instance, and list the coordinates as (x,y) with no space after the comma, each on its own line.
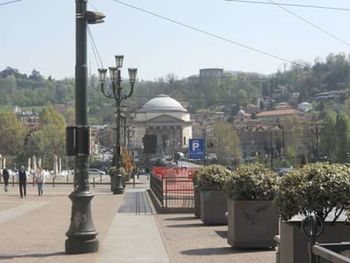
(226,143)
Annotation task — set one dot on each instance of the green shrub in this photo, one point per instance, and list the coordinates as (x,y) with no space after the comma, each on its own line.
(318,188)
(211,177)
(114,171)
(251,182)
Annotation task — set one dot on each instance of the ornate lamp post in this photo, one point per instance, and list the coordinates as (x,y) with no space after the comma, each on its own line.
(81,235)
(114,91)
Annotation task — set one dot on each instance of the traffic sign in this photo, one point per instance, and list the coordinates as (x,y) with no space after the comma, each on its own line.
(196,149)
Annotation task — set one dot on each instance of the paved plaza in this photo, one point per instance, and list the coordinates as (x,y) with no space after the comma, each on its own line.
(33,229)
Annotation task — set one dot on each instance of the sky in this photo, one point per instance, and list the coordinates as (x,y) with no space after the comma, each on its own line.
(40,34)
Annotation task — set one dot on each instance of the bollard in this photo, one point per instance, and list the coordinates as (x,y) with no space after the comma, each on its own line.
(13,181)
(67,179)
(93,182)
(53,181)
(100,178)
(33,181)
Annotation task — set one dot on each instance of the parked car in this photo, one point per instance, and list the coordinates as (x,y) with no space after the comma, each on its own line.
(284,170)
(96,172)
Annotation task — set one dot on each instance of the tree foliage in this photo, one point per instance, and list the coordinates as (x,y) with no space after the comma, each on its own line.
(12,134)
(226,143)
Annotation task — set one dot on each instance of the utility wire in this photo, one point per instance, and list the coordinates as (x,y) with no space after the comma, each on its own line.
(95,50)
(92,6)
(293,5)
(209,33)
(310,23)
(10,2)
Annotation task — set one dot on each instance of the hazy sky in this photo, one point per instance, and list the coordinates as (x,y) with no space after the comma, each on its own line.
(40,34)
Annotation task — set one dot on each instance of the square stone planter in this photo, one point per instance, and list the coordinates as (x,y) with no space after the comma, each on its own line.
(213,207)
(252,224)
(293,242)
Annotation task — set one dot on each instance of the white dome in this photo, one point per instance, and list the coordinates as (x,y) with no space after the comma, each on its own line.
(162,103)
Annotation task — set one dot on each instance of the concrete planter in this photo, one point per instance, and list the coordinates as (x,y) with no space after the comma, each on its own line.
(213,207)
(251,224)
(293,242)
(197,203)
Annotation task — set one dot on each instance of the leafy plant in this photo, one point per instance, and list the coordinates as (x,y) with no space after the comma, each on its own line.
(211,177)
(318,188)
(113,171)
(251,182)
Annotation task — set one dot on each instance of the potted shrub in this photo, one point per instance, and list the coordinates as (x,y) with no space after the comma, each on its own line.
(117,179)
(213,200)
(252,217)
(322,189)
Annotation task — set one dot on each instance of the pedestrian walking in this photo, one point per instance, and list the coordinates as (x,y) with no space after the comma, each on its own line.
(22,180)
(40,180)
(6,176)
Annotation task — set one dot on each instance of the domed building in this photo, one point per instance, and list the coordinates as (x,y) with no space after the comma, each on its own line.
(166,122)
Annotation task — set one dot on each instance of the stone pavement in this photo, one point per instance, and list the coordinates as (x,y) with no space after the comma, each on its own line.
(33,229)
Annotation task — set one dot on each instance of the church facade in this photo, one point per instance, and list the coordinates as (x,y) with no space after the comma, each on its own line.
(167,122)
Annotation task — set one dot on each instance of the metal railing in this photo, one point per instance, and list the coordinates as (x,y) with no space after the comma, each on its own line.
(173,193)
(156,185)
(96,180)
(313,227)
(319,252)
(326,253)
(179,192)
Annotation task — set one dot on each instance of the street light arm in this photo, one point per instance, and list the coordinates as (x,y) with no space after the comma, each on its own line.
(104,91)
(130,92)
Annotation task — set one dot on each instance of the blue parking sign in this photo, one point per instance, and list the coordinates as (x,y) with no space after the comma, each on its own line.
(196,149)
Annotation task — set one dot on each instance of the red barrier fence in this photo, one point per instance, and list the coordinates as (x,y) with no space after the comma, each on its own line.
(161,171)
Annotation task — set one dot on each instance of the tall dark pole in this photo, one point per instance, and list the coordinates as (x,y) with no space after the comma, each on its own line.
(118,160)
(81,233)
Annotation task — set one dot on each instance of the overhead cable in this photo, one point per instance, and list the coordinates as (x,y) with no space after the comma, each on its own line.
(310,23)
(209,33)
(94,49)
(10,2)
(292,5)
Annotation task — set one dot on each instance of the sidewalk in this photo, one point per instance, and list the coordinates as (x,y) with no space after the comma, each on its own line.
(33,230)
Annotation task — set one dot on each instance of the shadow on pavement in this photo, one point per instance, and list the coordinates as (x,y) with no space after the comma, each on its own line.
(34,255)
(222,234)
(187,225)
(209,251)
(219,251)
(181,218)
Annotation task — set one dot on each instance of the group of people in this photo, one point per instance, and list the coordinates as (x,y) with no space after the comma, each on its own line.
(22,180)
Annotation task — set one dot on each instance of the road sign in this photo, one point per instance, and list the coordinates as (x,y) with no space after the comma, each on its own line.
(196,149)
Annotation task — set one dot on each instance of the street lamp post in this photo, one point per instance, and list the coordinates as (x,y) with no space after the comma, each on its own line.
(81,235)
(114,91)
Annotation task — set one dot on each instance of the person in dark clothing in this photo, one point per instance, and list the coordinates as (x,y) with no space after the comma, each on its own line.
(22,179)
(5,176)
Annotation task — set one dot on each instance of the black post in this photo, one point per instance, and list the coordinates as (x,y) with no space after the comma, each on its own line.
(204,135)
(317,140)
(271,151)
(117,186)
(81,235)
